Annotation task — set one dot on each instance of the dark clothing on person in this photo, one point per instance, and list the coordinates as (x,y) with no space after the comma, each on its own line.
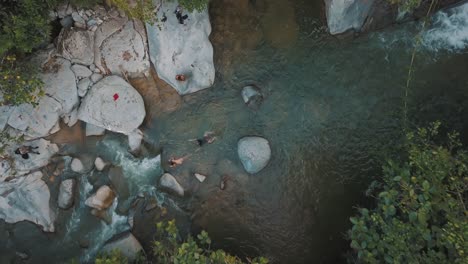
(201,141)
(25,150)
(164,18)
(179,15)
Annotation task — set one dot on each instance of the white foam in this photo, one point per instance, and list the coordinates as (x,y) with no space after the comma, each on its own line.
(449,30)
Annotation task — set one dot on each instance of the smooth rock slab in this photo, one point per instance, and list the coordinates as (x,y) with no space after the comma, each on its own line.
(113,104)
(102,199)
(27,198)
(254,153)
(182,49)
(343,15)
(127,244)
(66,193)
(35,161)
(99,164)
(168,182)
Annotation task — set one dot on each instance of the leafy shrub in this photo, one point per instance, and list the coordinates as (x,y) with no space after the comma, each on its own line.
(169,249)
(19,82)
(113,257)
(142,10)
(421,214)
(191,5)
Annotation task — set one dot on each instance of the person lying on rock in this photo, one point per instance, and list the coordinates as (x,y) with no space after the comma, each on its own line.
(25,150)
(179,15)
(180,77)
(208,137)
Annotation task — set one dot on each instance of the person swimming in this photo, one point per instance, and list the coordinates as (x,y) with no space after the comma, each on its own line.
(173,162)
(209,137)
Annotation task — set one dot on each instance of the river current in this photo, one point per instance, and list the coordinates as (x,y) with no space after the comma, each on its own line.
(332,112)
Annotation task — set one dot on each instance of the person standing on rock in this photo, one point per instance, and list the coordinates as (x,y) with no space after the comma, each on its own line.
(25,150)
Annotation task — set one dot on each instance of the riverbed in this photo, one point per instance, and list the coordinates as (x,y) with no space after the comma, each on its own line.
(332,111)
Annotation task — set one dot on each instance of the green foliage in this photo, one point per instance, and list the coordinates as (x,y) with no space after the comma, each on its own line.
(421,215)
(23,25)
(406,5)
(142,10)
(191,5)
(113,257)
(85,3)
(19,82)
(169,248)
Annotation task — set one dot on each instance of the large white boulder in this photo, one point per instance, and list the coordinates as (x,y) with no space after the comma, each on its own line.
(343,15)
(60,98)
(113,104)
(76,165)
(127,244)
(102,199)
(27,198)
(182,49)
(66,193)
(99,164)
(125,52)
(254,153)
(77,45)
(168,182)
(35,161)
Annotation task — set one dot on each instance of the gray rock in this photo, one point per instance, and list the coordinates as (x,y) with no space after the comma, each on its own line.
(104,31)
(27,199)
(60,98)
(127,244)
(5,112)
(125,52)
(92,130)
(113,104)
(182,49)
(35,161)
(64,10)
(77,18)
(168,182)
(99,164)
(76,45)
(83,86)
(254,153)
(66,22)
(134,140)
(343,15)
(200,178)
(102,199)
(77,165)
(66,193)
(96,77)
(81,71)
(73,118)
(251,96)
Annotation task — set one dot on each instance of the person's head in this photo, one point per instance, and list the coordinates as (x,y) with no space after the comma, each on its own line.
(17,151)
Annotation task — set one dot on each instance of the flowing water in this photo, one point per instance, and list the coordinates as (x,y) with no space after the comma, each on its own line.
(332,112)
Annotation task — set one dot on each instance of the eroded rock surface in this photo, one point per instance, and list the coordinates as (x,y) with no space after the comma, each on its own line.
(27,198)
(66,193)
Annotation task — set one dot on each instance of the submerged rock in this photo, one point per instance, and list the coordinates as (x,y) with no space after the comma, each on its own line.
(27,198)
(92,130)
(251,96)
(168,182)
(125,243)
(182,49)
(113,104)
(254,153)
(66,193)
(102,199)
(200,178)
(343,15)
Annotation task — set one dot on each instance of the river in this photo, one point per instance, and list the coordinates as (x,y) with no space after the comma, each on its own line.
(332,112)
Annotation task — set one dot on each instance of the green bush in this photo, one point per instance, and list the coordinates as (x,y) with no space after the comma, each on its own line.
(113,257)
(421,214)
(191,5)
